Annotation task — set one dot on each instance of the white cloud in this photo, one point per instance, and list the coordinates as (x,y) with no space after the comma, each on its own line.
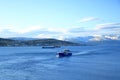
(59,30)
(62,37)
(56,36)
(105,37)
(96,38)
(26,29)
(8,27)
(107,26)
(40,29)
(44,36)
(115,37)
(88,19)
(62,33)
(77,29)
(59,33)
(41,32)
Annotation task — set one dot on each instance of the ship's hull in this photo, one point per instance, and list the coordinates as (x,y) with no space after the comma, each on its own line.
(63,55)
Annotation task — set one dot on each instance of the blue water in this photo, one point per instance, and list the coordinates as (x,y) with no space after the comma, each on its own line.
(35,63)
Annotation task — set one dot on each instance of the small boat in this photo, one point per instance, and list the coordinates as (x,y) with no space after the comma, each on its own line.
(65,53)
(48,47)
(57,46)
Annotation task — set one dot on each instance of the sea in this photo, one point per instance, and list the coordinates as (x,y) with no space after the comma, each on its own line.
(99,62)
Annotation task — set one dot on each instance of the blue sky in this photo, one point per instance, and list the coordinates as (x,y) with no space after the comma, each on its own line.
(59,18)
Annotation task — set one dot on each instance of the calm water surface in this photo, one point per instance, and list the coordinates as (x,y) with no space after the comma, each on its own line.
(35,63)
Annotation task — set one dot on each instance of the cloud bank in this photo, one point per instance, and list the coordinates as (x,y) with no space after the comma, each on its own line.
(108,26)
(63,33)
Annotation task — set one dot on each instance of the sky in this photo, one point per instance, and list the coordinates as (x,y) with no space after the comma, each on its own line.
(59,18)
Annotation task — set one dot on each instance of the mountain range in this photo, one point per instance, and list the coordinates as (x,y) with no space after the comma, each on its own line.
(95,38)
(88,40)
(35,42)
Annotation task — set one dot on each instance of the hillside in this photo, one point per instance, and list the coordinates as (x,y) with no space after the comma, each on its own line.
(6,42)
(38,42)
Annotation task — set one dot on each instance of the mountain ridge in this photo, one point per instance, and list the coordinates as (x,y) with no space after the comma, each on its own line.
(36,42)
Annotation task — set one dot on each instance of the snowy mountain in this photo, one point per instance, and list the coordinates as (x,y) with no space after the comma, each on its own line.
(80,39)
(97,39)
(105,38)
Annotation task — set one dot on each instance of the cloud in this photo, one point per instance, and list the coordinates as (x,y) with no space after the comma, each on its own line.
(82,31)
(56,36)
(107,26)
(26,29)
(113,37)
(58,30)
(5,31)
(88,19)
(61,33)
(34,31)
(44,36)
(105,37)
(77,30)
(7,27)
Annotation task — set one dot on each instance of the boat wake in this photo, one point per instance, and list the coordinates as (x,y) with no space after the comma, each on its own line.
(88,52)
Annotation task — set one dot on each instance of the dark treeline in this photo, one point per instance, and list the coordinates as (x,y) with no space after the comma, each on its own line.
(38,42)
